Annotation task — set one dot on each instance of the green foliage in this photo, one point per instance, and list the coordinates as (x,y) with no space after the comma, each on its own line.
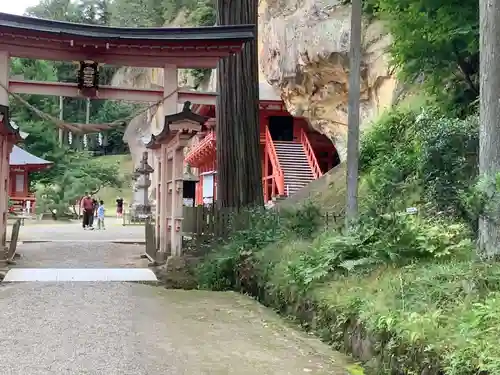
(448,161)
(415,157)
(395,239)
(150,13)
(225,268)
(436,42)
(81,175)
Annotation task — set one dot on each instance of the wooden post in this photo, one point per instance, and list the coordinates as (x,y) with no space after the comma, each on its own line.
(158,173)
(61,117)
(5,149)
(169,107)
(353,114)
(177,200)
(85,140)
(165,204)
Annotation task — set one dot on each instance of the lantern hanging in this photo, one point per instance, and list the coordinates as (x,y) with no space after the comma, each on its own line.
(88,77)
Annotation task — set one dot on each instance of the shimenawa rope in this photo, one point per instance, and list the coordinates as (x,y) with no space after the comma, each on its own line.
(85,128)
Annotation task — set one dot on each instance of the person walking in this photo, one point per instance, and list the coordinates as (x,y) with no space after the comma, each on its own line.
(95,204)
(100,215)
(119,207)
(88,211)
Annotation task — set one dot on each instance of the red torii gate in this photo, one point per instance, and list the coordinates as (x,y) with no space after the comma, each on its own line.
(167,48)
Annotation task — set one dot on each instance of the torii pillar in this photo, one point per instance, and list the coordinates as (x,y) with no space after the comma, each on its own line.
(178,129)
(9,135)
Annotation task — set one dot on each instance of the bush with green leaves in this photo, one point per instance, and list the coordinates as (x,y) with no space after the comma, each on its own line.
(419,157)
(224,266)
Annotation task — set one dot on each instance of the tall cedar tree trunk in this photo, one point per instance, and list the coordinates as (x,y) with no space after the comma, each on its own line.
(239,169)
(489,128)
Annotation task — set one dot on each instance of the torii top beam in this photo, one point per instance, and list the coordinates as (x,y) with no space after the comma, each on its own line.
(198,47)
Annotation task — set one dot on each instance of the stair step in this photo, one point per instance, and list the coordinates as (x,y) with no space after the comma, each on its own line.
(298,180)
(293,160)
(296,161)
(291,163)
(290,157)
(290,149)
(299,176)
(294,172)
(294,183)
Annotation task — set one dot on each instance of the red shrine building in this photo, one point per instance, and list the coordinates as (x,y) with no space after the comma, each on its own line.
(292,153)
(21,163)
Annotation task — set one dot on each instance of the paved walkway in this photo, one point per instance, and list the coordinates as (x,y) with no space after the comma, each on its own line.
(74,232)
(129,328)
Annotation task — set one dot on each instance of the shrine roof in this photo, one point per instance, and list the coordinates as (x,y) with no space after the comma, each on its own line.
(22,158)
(185,117)
(142,47)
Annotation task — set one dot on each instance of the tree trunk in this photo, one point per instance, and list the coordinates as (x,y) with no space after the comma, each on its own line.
(239,166)
(489,128)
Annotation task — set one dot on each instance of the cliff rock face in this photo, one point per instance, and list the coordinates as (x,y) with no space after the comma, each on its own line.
(304,46)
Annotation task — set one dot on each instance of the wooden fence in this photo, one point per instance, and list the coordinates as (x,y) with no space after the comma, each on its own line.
(206,224)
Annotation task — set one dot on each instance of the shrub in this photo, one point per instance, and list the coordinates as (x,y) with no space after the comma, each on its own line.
(224,267)
(396,239)
(420,157)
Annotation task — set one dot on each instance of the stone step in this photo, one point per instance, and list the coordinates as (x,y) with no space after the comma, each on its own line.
(79,274)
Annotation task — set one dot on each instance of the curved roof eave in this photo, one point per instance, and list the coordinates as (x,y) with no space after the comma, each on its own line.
(20,157)
(60,29)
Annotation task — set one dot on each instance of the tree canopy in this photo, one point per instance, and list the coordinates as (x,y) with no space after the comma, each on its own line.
(435,42)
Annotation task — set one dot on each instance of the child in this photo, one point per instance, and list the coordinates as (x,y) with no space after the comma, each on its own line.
(100,215)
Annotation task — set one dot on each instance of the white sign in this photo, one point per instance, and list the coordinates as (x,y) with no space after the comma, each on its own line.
(411,210)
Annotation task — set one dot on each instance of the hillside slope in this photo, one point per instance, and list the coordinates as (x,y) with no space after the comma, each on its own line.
(125,165)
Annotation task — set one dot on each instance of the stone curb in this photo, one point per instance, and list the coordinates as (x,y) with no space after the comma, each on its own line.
(121,242)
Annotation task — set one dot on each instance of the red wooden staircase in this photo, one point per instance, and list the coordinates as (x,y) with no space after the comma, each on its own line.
(294,164)
(296,170)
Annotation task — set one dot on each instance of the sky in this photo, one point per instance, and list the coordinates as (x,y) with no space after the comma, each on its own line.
(17,6)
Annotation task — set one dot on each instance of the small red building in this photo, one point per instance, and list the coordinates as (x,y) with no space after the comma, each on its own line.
(292,153)
(21,163)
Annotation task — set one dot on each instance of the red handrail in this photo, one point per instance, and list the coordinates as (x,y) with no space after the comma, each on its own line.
(311,157)
(278,181)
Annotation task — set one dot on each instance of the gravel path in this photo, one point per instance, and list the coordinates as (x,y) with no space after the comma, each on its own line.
(115,231)
(111,328)
(134,329)
(80,255)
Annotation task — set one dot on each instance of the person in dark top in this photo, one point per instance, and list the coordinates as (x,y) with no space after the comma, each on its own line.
(119,207)
(88,210)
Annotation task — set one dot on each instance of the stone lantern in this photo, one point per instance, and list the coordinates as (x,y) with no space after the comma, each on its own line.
(141,190)
(189,187)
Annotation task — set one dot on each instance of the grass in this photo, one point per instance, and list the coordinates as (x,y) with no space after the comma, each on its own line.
(108,194)
(439,315)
